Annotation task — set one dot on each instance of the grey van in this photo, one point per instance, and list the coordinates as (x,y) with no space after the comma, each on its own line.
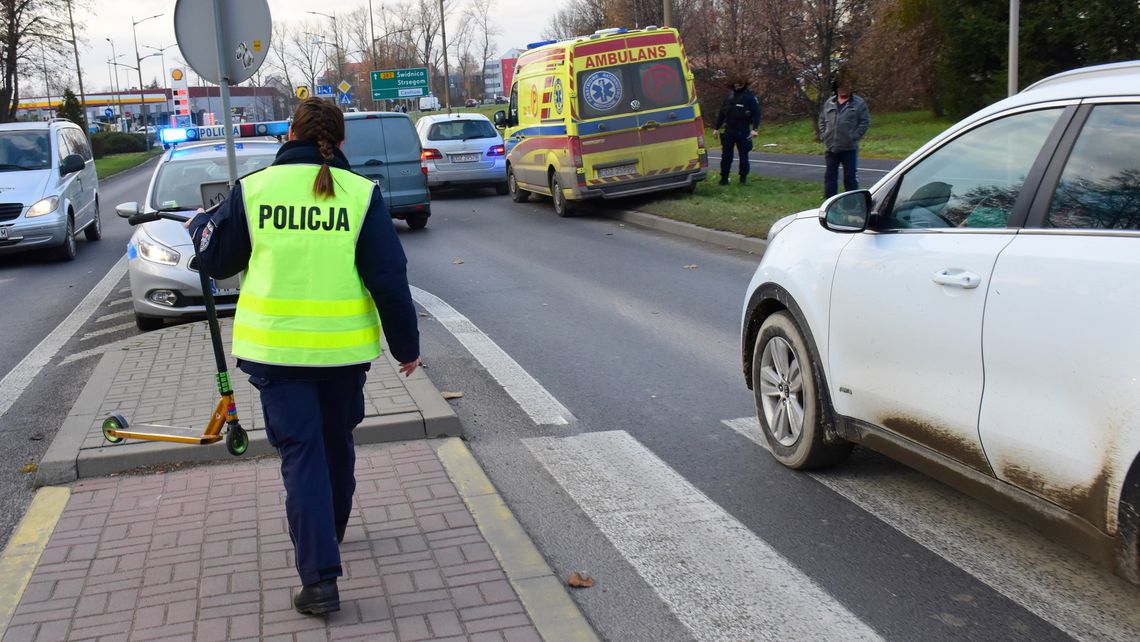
(384,147)
(48,188)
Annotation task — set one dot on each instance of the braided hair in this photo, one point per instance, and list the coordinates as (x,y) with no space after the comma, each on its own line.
(318,121)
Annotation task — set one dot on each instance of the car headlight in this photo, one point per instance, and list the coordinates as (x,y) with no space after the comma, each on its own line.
(43,206)
(156,252)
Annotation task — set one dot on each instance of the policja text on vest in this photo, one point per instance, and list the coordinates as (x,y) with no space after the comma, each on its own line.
(303,218)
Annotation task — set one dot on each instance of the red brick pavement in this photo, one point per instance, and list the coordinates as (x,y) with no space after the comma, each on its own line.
(204,554)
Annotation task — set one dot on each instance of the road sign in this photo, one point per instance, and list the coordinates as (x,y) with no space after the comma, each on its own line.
(242,41)
(109,113)
(344,86)
(346,99)
(302,92)
(325,91)
(399,83)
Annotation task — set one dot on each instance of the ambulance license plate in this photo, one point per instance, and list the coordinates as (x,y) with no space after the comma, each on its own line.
(620,170)
(464,158)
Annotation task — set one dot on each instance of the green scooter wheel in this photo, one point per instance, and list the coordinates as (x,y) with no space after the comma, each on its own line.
(111,424)
(237,441)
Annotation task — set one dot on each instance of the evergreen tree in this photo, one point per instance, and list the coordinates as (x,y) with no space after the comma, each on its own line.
(71,109)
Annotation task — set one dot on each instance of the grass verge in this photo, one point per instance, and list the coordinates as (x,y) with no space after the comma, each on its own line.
(892,136)
(111,165)
(745,209)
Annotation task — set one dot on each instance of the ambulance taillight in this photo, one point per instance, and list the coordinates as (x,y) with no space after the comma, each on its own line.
(576,150)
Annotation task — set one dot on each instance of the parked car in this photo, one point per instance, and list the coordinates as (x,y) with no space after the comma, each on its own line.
(384,147)
(463,150)
(471,102)
(974,314)
(50,188)
(500,100)
(161,265)
(429,103)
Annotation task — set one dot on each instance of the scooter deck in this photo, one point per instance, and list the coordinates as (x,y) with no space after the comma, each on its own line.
(158,432)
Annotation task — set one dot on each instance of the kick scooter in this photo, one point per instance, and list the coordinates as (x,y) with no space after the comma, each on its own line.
(116,428)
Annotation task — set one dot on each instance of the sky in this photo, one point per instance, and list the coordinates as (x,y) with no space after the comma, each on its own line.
(521,22)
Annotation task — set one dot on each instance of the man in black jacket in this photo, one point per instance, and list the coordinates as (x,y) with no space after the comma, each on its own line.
(736,125)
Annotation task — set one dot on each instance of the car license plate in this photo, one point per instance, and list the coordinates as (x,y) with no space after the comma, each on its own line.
(620,170)
(3,234)
(226,287)
(464,158)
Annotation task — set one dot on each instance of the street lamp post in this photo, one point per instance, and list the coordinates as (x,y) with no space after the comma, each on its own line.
(336,38)
(47,84)
(375,64)
(162,58)
(115,84)
(78,69)
(138,67)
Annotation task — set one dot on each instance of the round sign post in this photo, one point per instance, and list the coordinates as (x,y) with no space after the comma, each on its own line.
(225,42)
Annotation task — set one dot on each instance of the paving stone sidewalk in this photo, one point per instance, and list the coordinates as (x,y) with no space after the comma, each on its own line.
(204,554)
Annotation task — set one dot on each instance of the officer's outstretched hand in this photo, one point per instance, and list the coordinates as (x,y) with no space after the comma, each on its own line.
(407,369)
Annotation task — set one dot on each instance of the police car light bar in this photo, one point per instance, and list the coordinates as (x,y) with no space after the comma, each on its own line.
(175,135)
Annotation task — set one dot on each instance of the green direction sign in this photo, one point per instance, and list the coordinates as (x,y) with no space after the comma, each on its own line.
(399,83)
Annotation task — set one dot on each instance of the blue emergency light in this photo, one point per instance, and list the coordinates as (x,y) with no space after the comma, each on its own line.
(175,135)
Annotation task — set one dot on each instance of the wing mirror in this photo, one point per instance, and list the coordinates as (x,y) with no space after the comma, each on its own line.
(500,119)
(847,212)
(71,163)
(127,210)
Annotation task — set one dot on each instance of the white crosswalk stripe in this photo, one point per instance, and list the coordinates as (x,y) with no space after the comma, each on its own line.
(736,586)
(108,330)
(1055,583)
(114,315)
(121,301)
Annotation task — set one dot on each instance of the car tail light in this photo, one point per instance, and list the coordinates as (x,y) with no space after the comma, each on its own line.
(431,154)
(497,150)
(701,133)
(576,150)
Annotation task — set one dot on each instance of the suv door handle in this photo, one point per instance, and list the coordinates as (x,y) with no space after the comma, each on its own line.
(957,278)
(374,161)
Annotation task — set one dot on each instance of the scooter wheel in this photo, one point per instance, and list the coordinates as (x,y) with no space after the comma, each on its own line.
(112,424)
(237,441)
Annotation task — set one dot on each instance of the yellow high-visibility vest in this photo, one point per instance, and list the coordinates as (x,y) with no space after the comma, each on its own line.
(302,302)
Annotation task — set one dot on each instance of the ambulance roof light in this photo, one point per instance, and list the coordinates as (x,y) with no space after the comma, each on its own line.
(541,43)
(611,31)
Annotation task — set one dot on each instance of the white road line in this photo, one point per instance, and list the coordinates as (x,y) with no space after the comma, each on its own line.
(535,400)
(121,301)
(124,290)
(114,315)
(770,162)
(20,377)
(108,330)
(721,580)
(76,356)
(1054,583)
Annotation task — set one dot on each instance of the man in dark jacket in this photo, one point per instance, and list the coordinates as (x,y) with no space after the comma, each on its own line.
(736,125)
(843,121)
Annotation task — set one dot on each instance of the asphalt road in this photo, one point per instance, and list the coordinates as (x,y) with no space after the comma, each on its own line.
(654,485)
(38,294)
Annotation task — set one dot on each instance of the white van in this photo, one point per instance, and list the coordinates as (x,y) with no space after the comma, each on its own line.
(51,190)
(429,103)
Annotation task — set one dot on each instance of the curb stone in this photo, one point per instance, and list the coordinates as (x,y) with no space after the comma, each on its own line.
(730,240)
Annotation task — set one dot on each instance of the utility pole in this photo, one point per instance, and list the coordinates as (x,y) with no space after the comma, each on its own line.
(165,76)
(667,12)
(115,87)
(47,84)
(138,67)
(372,50)
(1014,19)
(446,71)
(78,69)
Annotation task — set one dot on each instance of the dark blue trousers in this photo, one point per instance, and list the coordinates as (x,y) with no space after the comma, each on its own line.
(742,142)
(310,424)
(850,160)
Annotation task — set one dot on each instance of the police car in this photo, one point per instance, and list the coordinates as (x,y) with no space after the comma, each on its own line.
(161,262)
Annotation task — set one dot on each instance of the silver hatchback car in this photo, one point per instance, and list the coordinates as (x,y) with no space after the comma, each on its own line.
(463,150)
(160,256)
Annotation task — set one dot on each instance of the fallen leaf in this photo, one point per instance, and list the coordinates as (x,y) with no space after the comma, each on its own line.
(577,580)
(452,395)
(691,266)
(29,468)
(457,262)
(37,437)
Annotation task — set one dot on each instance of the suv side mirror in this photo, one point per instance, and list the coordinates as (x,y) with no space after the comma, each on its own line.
(847,212)
(127,210)
(500,119)
(71,163)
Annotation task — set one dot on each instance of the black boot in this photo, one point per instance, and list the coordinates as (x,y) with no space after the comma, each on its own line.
(723,180)
(318,599)
(743,179)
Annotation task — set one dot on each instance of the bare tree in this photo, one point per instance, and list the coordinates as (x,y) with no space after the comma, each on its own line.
(25,26)
(308,53)
(461,44)
(280,59)
(481,12)
(579,17)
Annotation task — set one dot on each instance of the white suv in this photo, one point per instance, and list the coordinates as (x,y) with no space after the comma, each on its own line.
(48,188)
(975,314)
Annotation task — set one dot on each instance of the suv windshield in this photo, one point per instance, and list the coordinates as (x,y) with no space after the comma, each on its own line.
(639,86)
(179,182)
(461,130)
(20,150)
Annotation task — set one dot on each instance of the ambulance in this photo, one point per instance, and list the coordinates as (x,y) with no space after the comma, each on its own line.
(608,115)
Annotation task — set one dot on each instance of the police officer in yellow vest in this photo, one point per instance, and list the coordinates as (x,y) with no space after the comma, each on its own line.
(323,267)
